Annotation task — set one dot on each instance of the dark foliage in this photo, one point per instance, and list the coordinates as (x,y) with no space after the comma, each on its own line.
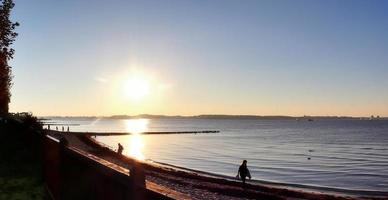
(7,37)
(20,157)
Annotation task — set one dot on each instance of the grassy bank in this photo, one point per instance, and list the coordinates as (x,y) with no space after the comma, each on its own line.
(20,162)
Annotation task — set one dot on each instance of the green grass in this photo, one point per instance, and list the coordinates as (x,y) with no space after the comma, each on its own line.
(28,187)
(20,165)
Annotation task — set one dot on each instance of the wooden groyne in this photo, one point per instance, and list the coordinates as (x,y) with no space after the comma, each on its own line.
(61,124)
(146,133)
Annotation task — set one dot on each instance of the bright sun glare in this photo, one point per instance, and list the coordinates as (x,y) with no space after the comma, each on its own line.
(136,88)
(136,144)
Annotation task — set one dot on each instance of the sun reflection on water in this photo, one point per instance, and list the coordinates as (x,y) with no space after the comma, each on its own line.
(136,144)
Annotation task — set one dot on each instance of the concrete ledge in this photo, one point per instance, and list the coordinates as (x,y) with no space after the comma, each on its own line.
(71,173)
(165,191)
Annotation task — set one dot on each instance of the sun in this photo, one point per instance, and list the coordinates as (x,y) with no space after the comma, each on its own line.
(136,88)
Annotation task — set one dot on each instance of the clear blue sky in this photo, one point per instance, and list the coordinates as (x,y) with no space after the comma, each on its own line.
(202,57)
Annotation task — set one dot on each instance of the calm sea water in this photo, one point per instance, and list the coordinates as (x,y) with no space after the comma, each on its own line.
(345,154)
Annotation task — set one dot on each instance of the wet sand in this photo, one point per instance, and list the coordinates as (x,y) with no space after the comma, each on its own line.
(195,185)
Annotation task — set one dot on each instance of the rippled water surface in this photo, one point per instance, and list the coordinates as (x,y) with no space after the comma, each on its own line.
(347,154)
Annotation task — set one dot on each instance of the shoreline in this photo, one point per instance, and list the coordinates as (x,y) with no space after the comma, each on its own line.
(285,185)
(184,179)
(294,186)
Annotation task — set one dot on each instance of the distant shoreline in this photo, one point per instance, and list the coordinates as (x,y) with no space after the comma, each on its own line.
(252,117)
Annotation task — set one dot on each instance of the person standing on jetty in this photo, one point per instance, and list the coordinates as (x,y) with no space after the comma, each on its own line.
(243,172)
(120,149)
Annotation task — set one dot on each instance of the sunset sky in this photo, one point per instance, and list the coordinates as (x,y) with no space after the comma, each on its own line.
(178,57)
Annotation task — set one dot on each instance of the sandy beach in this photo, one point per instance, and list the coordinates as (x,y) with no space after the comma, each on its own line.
(187,184)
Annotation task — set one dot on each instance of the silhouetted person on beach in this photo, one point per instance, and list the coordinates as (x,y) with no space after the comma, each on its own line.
(67,128)
(120,149)
(243,172)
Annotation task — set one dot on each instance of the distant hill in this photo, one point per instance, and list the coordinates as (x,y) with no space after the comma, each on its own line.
(215,116)
(269,117)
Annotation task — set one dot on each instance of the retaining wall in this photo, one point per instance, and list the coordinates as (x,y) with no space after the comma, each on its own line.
(73,174)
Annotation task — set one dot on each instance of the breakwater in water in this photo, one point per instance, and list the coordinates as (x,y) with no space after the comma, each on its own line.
(145,133)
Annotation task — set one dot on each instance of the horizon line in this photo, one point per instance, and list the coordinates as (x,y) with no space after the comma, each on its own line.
(215,115)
